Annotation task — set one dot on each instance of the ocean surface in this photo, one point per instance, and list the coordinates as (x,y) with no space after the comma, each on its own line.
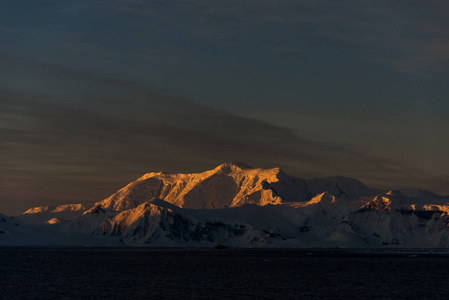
(44,273)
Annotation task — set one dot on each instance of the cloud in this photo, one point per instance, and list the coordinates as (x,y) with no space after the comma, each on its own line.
(24,66)
(411,39)
(408,38)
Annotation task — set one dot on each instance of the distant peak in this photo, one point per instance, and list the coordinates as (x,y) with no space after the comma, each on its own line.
(38,209)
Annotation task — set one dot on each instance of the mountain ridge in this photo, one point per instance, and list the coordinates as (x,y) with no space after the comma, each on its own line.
(231,185)
(241,206)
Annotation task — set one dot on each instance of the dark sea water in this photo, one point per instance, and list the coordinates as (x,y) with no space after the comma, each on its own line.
(43,273)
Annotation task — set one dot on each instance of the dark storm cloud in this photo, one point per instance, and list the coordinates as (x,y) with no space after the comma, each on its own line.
(56,151)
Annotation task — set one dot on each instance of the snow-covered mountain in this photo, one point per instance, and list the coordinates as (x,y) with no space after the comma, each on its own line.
(231,185)
(240,206)
(41,214)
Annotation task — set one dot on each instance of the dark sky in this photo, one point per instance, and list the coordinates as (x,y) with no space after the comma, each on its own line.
(95,93)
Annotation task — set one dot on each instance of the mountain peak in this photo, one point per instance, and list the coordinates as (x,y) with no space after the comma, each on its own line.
(233,166)
(378,203)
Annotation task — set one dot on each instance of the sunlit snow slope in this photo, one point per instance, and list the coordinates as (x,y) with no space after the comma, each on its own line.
(230,185)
